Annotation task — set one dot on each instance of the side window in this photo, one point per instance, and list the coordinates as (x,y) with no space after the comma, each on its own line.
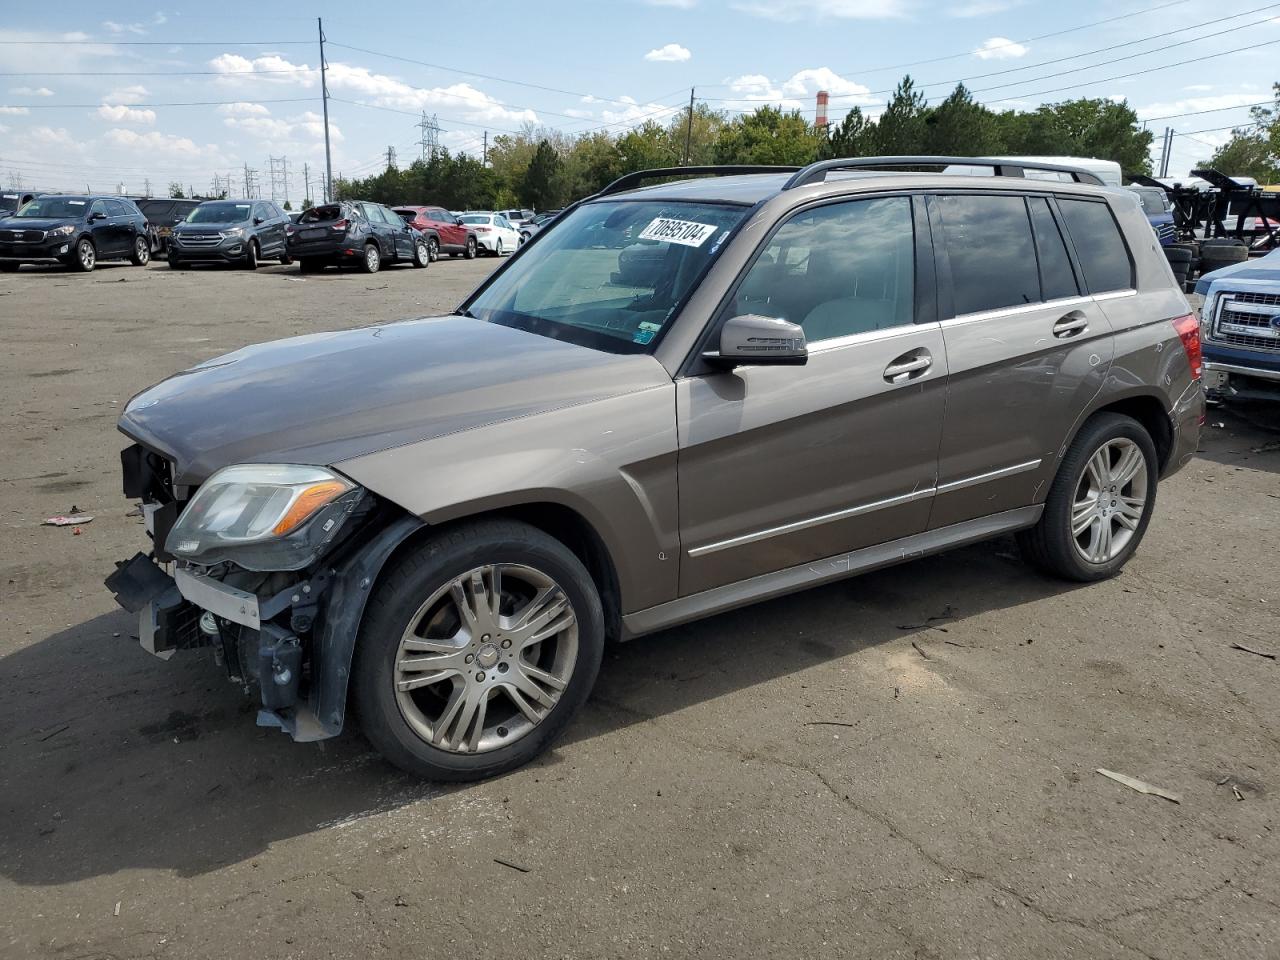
(98,206)
(989,245)
(116,209)
(837,270)
(1096,237)
(1057,279)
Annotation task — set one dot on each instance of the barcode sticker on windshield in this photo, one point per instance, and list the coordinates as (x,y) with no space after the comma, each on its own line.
(684,232)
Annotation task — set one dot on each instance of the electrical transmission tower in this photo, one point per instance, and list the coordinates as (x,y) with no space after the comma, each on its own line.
(279,173)
(250,182)
(430,141)
(15,180)
(391,158)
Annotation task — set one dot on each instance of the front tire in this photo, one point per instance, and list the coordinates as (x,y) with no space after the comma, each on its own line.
(497,249)
(141,255)
(251,256)
(476,650)
(85,256)
(1099,504)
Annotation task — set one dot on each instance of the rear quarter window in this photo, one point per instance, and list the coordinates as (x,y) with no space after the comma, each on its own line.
(1099,245)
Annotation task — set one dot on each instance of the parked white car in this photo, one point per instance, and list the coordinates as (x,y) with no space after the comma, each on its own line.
(494,232)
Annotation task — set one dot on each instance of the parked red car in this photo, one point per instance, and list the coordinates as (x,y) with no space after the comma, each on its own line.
(445,233)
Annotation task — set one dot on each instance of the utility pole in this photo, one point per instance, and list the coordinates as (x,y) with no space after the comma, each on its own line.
(324,94)
(306,182)
(484,157)
(146,190)
(688,129)
(1166,145)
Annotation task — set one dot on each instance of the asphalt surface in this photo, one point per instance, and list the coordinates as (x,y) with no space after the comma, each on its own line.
(901,765)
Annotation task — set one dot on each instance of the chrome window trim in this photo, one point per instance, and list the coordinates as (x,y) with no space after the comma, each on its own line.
(868,336)
(900,499)
(1115,294)
(1018,310)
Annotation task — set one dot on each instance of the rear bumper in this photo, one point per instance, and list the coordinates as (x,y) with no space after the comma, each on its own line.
(1187,418)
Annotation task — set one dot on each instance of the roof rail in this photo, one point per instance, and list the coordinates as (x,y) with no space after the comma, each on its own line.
(629,180)
(817,172)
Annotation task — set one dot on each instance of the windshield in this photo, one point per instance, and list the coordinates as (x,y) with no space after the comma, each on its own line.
(476,219)
(610,275)
(220,213)
(55,207)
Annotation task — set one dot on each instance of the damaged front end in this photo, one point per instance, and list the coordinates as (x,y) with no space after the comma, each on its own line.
(270,566)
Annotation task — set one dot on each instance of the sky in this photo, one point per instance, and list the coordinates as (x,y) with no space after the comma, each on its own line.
(118,97)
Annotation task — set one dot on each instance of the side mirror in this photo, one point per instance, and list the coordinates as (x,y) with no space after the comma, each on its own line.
(97,215)
(257,221)
(753,340)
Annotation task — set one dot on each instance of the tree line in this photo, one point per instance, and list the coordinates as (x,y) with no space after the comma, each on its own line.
(1253,150)
(544,168)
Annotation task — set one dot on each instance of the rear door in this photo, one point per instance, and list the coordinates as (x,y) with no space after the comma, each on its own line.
(121,229)
(780,466)
(401,231)
(1027,349)
(452,234)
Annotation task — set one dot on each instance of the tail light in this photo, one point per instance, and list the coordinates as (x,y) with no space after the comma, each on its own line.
(290,230)
(482,229)
(1188,328)
(340,225)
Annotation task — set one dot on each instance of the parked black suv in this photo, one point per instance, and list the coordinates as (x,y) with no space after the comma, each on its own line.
(355,232)
(75,230)
(230,231)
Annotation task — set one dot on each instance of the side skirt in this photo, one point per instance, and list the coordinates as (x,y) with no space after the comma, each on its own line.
(769,585)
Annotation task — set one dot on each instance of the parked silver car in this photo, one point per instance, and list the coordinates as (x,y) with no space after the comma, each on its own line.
(809,374)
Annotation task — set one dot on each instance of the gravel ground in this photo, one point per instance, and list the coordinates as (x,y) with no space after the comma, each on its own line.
(901,765)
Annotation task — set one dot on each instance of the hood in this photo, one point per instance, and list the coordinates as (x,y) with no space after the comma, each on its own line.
(37,223)
(183,227)
(1263,269)
(328,397)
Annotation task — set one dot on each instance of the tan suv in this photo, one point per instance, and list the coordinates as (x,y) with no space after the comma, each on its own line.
(675,400)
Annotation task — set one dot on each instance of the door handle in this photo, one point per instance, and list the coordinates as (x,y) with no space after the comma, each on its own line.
(908,366)
(1070,325)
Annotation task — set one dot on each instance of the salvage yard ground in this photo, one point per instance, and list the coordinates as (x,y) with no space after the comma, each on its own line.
(901,765)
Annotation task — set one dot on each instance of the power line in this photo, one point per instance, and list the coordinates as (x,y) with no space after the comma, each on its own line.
(154,43)
(185,103)
(154,73)
(1197,113)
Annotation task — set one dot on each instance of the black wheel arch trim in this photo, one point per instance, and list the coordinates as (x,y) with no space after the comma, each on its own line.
(335,640)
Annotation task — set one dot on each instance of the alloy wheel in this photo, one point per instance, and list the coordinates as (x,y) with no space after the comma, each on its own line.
(87,254)
(1110,499)
(486,658)
(142,251)
(433,250)
(372,260)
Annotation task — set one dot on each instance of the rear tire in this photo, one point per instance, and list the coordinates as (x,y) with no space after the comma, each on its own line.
(285,259)
(421,255)
(405,725)
(372,260)
(433,249)
(1083,489)
(470,253)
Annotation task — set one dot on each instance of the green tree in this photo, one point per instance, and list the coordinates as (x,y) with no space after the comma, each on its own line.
(767,136)
(1253,151)
(854,136)
(900,131)
(646,147)
(175,190)
(539,187)
(960,126)
(307,203)
(702,134)
(594,161)
(1080,128)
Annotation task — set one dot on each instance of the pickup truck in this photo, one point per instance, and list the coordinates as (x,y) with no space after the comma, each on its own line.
(1240,329)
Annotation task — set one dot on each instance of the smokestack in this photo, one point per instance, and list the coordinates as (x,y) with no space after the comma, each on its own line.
(821,121)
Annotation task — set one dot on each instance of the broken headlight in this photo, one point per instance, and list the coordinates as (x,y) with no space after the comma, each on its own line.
(263,516)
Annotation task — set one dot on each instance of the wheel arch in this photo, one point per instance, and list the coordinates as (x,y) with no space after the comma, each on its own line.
(1147,408)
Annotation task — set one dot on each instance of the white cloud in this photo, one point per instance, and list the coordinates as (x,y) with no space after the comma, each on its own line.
(1198,87)
(32,91)
(159,19)
(258,123)
(14,111)
(1220,101)
(678,4)
(118,28)
(132,94)
(121,114)
(797,92)
(790,10)
(669,53)
(1000,48)
(243,109)
(375,88)
(982,8)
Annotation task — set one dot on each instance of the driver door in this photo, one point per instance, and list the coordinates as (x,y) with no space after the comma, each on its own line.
(780,466)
